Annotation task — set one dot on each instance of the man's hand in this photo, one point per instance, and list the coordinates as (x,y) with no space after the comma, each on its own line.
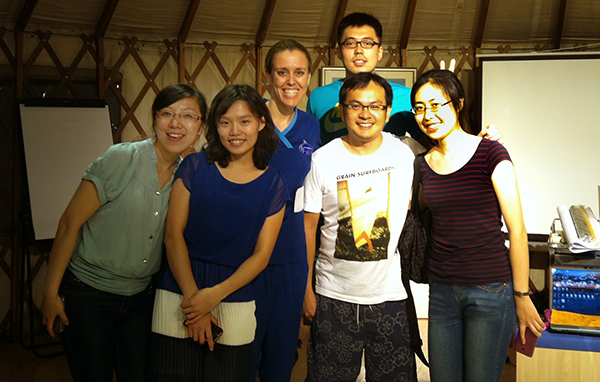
(490,132)
(310,306)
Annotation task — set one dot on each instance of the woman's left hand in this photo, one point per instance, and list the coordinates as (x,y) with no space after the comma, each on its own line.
(528,317)
(201,330)
(200,303)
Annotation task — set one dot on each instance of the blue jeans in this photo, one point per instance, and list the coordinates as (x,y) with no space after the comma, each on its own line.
(469,331)
(106,332)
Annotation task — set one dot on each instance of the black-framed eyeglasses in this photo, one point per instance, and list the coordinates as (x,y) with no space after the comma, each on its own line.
(365,44)
(184,117)
(434,107)
(358,107)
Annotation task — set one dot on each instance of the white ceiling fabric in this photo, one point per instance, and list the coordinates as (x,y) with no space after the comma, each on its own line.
(446,24)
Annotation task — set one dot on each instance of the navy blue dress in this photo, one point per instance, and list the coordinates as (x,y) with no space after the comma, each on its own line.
(224,222)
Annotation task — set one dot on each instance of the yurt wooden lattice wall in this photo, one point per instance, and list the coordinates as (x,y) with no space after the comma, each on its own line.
(38,62)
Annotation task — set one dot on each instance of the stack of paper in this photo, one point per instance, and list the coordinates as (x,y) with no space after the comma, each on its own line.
(581,228)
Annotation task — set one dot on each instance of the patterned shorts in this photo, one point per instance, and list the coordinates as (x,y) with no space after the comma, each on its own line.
(341,331)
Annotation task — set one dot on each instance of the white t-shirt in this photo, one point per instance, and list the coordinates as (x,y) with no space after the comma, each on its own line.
(364,200)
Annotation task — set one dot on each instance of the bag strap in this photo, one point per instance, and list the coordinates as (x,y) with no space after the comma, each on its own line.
(416,343)
(414,204)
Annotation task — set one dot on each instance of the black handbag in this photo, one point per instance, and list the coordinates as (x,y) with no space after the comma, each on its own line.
(414,243)
(413,246)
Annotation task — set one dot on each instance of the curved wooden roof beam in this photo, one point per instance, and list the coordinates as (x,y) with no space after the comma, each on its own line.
(560,22)
(339,15)
(264,23)
(478,40)
(406,28)
(101,27)
(188,20)
(261,34)
(107,13)
(184,32)
(25,15)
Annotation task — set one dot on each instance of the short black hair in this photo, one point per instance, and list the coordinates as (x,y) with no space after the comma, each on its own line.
(267,141)
(174,93)
(361,81)
(359,19)
(450,85)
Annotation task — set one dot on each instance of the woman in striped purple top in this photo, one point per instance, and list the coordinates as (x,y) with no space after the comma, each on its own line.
(476,284)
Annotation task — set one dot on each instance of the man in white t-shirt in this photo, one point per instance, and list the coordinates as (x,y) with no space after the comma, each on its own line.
(361,184)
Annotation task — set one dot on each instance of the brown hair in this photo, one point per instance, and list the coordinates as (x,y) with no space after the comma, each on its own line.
(289,45)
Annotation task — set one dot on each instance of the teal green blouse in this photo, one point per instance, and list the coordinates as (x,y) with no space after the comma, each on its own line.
(120,247)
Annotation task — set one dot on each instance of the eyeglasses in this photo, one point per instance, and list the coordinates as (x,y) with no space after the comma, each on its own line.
(434,107)
(365,44)
(184,117)
(356,107)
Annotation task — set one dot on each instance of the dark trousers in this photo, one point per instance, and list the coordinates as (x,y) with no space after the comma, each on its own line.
(340,332)
(280,291)
(107,332)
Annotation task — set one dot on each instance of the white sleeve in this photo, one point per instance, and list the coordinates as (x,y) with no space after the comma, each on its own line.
(313,190)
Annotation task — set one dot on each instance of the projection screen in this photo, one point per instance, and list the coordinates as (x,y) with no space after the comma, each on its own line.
(546,107)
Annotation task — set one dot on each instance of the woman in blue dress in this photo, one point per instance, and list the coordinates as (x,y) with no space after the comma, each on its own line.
(280,288)
(226,210)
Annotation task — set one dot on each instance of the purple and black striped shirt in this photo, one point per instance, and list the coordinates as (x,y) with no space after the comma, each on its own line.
(468,245)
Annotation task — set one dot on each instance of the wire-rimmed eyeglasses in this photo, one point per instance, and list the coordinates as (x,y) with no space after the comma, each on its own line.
(184,117)
(434,107)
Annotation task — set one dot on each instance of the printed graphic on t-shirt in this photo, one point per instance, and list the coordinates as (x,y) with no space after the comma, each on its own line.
(363,201)
(332,120)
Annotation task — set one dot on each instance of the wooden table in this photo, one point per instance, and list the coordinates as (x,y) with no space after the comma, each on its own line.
(561,358)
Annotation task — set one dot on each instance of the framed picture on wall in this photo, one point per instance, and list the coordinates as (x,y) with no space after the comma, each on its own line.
(402,76)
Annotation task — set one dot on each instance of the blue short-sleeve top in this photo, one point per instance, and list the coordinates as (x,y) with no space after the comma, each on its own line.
(225,218)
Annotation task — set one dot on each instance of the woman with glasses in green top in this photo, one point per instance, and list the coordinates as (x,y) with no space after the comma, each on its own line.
(109,245)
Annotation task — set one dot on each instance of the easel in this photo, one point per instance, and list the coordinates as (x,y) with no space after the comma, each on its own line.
(27,275)
(54,168)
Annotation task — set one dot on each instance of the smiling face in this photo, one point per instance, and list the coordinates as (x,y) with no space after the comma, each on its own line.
(174,135)
(440,124)
(365,126)
(359,59)
(238,130)
(289,78)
